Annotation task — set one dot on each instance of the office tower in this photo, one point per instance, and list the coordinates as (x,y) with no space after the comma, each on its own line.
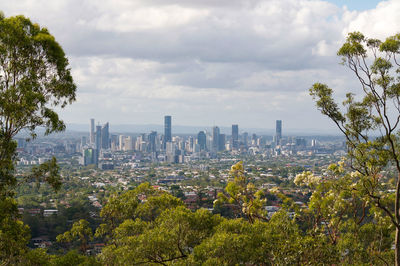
(202,140)
(92,134)
(245,138)
(221,142)
(152,141)
(313,143)
(191,144)
(301,142)
(253,139)
(171,152)
(97,138)
(235,137)
(128,143)
(105,136)
(97,143)
(278,134)
(121,142)
(88,156)
(215,139)
(167,130)
(83,141)
(114,142)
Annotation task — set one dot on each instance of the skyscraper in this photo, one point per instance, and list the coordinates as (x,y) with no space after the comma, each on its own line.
(235,137)
(221,142)
(215,139)
(245,138)
(152,141)
(121,142)
(167,130)
(97,144)
(92,137)
(278,132)
(105,136)
(202,140)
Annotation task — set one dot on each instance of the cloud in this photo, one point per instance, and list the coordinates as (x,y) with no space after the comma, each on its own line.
(238,61)
(380,22)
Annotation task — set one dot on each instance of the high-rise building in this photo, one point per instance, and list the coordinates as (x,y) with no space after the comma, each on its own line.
(88,156)
(215,139)
(245,138)
(235,137)
(83,141)
(202,140)
(167,130)
(105,136)
(128,143)
(221,142)
(278,132)
(97,143)
(114,142)
(152,141)
(121,142)
(171,152)
(92,134)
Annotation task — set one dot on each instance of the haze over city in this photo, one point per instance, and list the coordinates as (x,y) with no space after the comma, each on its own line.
(206,62)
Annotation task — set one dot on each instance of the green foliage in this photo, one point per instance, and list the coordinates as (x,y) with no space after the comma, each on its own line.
(169,238)
(143,202)
(242,195)
(339,209)
(14,235)
(34,79)
(80,231)
(376,112)
(73,258)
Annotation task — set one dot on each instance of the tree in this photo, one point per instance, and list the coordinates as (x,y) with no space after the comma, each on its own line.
(143,202)
(80,231)
(242,195)
(338,214)
(376,112)
(34,79)
(170,238)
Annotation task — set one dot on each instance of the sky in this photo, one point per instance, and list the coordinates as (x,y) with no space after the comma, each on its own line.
(209,62)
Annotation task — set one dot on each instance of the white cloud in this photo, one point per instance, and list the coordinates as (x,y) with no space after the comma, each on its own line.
(228,61)
(381,22)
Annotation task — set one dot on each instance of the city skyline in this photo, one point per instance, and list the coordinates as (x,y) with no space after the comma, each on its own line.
(173,148)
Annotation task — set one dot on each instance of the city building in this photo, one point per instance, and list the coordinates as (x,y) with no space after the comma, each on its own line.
(215,139)
(152,141)
(167,129)
(221,142)
(92,134)
(278,132)
(105,136)
(97,143)
(202,140)
(235,137)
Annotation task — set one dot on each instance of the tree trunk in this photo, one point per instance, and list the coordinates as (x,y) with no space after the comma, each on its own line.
(397,219)
(397,247)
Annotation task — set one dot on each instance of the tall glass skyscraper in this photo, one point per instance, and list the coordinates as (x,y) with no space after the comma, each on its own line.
(92,136)
(215,139)
(105,136)
(167,130)
(202,140)
(278,132)
(235,136)
(152,141)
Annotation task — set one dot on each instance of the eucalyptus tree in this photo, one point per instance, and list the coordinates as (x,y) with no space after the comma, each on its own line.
(370,121)
(34,80)
(242,195)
